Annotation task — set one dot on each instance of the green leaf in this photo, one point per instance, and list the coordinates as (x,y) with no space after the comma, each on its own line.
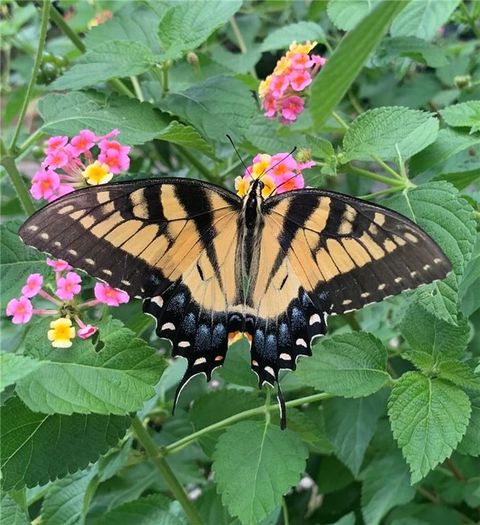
(348,519)
(469,289)
(187,136)
(37,448)
(346,14)
(66,502)
(449,142)
(17,262)
(466,114)
(67,114)
(459,373)
(429,418)
(470,443)
(134,23)
(188,24)
(448,219)
(301,31)
(216,406)
(13,367)
(255,464)
(346,62)
(415,48)
(269,136)
(216,106)
(422,18)
(350,425)
(117,379)
(386,484)
(149,510)
(426,333)
(113,59)
(348,365)
(11,512)
(381,131)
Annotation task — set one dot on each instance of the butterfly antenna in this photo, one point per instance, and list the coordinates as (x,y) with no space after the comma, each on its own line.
(283,408)
(284,182)
(238,155)
(279,162)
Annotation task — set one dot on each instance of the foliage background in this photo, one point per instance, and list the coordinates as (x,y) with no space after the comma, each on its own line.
(384,419)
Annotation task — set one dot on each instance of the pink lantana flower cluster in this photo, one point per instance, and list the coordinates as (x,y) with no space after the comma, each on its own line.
(65,305)
(281,92)
(70,163)
(279,173)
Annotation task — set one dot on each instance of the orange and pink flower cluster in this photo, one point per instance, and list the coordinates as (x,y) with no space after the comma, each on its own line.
(281,92)
(70,163)
(279,173)
(63,303)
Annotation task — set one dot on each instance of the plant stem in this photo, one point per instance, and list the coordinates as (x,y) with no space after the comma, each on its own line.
(374,176)
(355,103)
(58,20)
(165,68)
(454,469)
(393,189)
(32,139)
(181,443)
(8,162)
(340,120)
(33,78)
(386,167)
(177,489)
(137,88)
(184,152)
(241,42)
(286,521)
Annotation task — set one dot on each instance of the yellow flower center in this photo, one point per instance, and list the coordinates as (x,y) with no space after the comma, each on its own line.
(97,173)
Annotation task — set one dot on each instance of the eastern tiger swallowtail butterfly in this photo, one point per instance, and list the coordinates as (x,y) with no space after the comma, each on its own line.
(208,263)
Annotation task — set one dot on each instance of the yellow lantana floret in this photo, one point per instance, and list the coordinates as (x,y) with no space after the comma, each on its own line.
(301,48)
(61,333)
(264,86)
(97,173)
(241,185)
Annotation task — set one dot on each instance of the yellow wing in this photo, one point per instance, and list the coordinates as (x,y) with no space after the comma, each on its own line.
(169,241)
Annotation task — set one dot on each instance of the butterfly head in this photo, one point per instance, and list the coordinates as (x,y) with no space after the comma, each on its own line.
(252,203)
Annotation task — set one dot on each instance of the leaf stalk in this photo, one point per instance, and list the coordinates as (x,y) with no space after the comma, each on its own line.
(163,467)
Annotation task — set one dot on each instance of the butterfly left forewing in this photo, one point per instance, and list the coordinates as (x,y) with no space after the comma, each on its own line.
(169,241)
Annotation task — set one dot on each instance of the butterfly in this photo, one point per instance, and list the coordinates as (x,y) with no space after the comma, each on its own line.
(209,264)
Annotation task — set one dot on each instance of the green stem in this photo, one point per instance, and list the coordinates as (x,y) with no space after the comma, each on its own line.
(340,120)
(350,168)
(182,443)
(8,162)
(165,69)
(241,42)
(58,20)
(33,78)
(32,139)
(381,193)
(231,168)
(355,103)
(163,467)
(184,152)
(286,521)
(137,88)
(386,167)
